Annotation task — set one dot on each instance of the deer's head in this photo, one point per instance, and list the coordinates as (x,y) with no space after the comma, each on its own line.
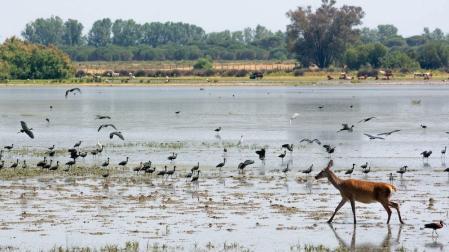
(325,172)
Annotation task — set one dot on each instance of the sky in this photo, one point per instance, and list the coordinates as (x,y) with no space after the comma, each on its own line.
(410,16)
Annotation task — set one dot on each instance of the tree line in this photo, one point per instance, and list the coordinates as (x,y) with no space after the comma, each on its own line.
(330,36)
(128,40)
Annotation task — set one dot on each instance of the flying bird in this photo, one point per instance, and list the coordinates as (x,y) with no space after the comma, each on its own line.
(26,130)
(101,117)
(106,125)
(388,133)
(371,137)
(116,133)
(72,90)
(367,119)
(346,127)
(261,153)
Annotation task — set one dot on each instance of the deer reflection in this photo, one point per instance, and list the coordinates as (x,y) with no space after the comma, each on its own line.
(353,246)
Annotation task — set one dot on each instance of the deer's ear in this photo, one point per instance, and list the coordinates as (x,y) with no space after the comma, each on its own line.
(330,164)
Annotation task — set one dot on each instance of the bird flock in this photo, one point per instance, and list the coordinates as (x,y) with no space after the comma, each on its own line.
(75,152)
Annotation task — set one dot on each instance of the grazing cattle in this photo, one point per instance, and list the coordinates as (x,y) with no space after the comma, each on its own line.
(387,74)
(426,76)
(314,68)
(256,76)
(345,76)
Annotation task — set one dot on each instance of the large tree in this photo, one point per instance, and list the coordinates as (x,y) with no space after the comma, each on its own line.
(73,33)
(25,60)
(45,31)
(126,32)
(322,36)
(100,34)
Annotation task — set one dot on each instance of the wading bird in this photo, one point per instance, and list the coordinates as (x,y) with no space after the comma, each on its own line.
(364,166)
(14,165)
(9,147)
(309,170)
(72,90)
(217,129)
(350,171)
(26,130)
(138,168)
(366,171)
(289,147)
(171,172)
(329,149)
(240,142)
(443,151)
(77,144)
(435,226)
(70,163)
(353,190)
(47,166)
(402,170)
(196,167)
(426,154)
(172,157)
(106,125)
(2,164)
(150,170)
(24,164)
(42,163)
(195,177)
(283,155)
(261,153)
(242,165)
(54,167)
(105,163)
(124,162)
(116,133)
(222,164)
(285,170)
(162,173)
(293,117)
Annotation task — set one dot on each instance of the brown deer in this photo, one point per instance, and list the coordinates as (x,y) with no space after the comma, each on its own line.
(367,192)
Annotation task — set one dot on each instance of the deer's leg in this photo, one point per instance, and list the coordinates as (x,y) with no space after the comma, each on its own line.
(342,202)
(353,210)
(386,205)
(396,206)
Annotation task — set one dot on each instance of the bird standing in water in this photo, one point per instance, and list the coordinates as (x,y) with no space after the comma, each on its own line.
(435,226)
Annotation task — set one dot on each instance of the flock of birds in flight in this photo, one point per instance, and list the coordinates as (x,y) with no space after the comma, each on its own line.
(193,175)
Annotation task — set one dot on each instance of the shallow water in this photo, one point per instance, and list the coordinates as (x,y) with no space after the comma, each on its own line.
(259,210)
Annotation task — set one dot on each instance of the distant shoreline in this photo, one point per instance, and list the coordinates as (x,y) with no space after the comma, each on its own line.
(335,83)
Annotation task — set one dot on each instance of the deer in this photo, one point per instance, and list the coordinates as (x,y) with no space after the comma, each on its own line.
(367,192)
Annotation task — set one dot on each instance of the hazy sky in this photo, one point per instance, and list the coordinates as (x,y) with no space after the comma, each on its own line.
(410,16)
